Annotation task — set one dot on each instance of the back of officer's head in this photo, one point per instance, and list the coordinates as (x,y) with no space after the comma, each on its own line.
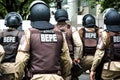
(61,15)
(88,21)
(39,11)
(13,19)
(39,14)
(112,20)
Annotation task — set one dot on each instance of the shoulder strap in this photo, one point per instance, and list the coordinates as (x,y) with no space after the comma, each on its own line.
(32,30)
(81,31)
(68,26)
(97,31)
(1,37)
(108,39)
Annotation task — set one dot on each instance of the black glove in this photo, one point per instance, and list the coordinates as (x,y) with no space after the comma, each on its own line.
(75,69)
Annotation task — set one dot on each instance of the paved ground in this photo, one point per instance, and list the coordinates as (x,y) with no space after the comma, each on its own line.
(84,76)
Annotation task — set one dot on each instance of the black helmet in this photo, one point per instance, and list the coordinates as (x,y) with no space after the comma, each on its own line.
(107,11)
(39,11)
(61,15)
(88,21)
(13,19)
(39,14)
(112,20)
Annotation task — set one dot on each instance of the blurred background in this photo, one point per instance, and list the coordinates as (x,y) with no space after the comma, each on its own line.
(76,9)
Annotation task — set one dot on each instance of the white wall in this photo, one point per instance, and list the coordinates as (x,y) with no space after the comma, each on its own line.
(2,26)
(25,24)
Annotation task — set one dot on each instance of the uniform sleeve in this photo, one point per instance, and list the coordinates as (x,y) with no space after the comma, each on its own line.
(78,48)
(74,29)
(100,51)
(1,48)
(69,39)
(66,62)
(22,55)
(1,52)
(25,42)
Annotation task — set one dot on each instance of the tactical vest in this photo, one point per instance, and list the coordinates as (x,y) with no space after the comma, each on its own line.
(45,52)
(90,40)
(10,41)
(67,30)
(112,50)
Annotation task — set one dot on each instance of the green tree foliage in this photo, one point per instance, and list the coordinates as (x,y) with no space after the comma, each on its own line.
(20,6)
(106,4)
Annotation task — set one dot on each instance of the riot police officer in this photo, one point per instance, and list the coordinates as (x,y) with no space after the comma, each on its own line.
(49,55)
(85,40)
(9,39)
(61,16)
(108,48)
(1,57)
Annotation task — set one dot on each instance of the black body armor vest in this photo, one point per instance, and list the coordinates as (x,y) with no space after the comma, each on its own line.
(10,41)
(90,41)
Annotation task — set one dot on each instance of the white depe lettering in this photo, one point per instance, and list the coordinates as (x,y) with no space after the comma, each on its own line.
(9,39)
(48,37)
(42,38)
(116,38)
(90,35)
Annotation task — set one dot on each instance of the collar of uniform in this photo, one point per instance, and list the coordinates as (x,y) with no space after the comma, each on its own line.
(90,29)
(114,28)
(61,23)
(42,25)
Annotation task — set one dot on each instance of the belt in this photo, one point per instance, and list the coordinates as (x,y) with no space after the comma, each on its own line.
(47,72)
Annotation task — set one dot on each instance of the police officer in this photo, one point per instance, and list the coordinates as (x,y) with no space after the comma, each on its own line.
(9,39)
(85,40)
(108,48)
(61,16)
(2,52)
(49,55)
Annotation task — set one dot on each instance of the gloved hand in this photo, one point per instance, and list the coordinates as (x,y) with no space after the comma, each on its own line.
(76,67)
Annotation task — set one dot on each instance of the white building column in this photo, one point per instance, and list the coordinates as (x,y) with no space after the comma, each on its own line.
(72,11)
